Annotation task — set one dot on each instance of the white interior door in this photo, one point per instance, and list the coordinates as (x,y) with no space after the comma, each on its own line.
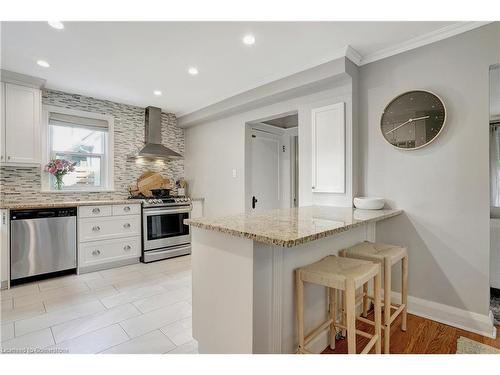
(265,170)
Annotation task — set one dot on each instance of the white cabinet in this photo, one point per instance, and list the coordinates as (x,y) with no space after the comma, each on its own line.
(328,149)
(20,132)
(4,249)
(99,252)
(95,211)
(108,236)
(103,228)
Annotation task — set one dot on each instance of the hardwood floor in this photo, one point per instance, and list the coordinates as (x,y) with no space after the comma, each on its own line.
(423,336)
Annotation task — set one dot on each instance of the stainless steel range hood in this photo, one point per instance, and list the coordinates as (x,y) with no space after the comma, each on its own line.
(153,148)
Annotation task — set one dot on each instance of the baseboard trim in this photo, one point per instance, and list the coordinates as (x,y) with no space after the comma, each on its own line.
(452,316)
(105,266)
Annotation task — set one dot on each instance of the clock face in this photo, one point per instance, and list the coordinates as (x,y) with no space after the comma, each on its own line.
(413,119)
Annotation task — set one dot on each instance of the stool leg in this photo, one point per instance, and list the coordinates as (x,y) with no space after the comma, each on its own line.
(300,310)
(404,291)
(378,313)
(333,316)
(343,253)
(344,312)
(365,300)
(350,301)
(387,305)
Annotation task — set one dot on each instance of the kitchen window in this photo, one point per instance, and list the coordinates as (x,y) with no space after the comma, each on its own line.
(85,139)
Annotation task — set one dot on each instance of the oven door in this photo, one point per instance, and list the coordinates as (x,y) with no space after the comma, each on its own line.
(164,227)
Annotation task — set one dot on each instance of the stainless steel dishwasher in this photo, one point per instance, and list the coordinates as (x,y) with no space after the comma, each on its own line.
(42,243)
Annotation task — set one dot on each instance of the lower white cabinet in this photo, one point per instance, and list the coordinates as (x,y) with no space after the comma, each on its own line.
(108,236)
(105,228)
(4,249)
(98,252)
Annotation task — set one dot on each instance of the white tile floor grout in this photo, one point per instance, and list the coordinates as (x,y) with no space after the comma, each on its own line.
(141,308)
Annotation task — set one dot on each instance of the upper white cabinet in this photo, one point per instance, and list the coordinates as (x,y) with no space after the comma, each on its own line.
(20,133)
(328,149)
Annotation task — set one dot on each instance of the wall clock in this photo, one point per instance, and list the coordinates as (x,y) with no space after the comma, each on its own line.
(413,119)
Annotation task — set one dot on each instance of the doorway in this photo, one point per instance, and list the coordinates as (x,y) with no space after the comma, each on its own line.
(494,129)
(272,163)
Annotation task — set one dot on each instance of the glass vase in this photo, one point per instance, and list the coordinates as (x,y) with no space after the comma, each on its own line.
(59,182)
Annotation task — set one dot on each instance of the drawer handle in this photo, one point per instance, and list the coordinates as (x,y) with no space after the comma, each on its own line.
(96,252)
(126,208)
(96,210)
(96,228)
(127,247)
(126,225)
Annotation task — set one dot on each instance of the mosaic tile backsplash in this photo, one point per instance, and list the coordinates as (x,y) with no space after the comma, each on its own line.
(23,184)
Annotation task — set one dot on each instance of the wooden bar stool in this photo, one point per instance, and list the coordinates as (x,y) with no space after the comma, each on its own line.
(346,275)
(387,256)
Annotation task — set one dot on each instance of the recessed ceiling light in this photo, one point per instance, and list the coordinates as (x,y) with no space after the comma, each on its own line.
(157,92)
(249,39)
(193,71)
(43,63)
(56,25)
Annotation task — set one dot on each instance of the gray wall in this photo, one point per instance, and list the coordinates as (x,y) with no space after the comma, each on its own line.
(23,184)
(215,148)
(444,187)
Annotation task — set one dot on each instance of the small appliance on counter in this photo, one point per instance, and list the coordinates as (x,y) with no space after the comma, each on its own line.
(43,243)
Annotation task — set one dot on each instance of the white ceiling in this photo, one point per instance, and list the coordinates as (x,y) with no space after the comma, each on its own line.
(126,61)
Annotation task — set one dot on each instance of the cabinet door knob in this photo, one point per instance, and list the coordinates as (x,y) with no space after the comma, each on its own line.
(127,247)
(96,252)
(126,225)
(8,157)
(96,228)
(126,208)
(96,210)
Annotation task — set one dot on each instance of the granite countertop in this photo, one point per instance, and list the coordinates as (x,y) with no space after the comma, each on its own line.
(32,205)
(293,226)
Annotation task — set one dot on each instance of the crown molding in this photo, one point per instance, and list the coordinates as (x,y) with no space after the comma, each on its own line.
(422,40)
(21,79)
(353,55)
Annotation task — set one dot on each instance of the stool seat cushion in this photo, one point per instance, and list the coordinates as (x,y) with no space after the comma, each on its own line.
(333,272)
(376,251)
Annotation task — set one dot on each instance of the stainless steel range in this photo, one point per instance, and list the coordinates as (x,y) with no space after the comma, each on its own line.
(164,233)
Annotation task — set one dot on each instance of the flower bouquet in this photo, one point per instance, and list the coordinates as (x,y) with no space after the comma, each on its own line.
(59,168)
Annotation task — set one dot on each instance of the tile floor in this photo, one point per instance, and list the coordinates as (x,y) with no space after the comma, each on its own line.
(141,308)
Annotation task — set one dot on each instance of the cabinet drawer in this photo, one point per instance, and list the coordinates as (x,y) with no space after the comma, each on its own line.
(92,229)
(126,209)
(94,211)
(109,250)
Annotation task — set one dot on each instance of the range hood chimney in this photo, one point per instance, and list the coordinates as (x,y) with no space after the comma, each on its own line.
(153,148)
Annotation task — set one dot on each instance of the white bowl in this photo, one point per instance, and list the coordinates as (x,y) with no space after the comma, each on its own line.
(369,203)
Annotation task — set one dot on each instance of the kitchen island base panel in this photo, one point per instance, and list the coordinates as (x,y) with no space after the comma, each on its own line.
(243,291)
(222,268)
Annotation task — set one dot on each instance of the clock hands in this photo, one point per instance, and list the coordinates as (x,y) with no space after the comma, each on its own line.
(406,122)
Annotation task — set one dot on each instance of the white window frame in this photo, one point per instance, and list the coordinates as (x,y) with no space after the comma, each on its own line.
(107,165)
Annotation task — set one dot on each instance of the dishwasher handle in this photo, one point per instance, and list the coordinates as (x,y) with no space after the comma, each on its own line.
(42,213)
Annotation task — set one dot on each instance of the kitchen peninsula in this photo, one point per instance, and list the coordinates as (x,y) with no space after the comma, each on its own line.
(243,273)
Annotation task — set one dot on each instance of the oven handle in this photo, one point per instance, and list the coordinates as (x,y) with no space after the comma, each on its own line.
(156,211)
